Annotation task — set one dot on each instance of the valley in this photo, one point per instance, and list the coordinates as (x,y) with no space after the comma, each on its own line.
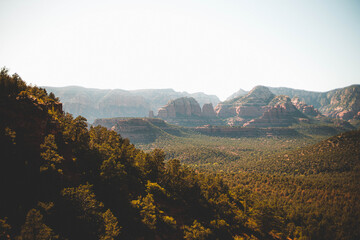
(270,168)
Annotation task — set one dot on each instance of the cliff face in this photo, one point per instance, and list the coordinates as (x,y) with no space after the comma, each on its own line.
(252,105)
(279,113)
(187,112)
(181,107)
(343,103)
(208,111)
(304,108)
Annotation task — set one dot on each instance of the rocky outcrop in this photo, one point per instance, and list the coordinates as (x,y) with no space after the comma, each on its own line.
(181,107)
(225,110)
(252,105)
(343,103)
(208,110)
(186,112)
(304,108)
(279,113)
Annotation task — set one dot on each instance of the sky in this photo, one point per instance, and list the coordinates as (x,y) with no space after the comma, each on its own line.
(216,47)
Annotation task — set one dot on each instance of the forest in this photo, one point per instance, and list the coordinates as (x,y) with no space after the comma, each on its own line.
(63,179)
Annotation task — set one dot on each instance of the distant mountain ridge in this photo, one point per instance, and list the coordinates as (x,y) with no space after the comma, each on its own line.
(341,103)
(95,103)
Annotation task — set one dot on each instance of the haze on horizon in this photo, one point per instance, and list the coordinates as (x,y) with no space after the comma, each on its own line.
(216,47)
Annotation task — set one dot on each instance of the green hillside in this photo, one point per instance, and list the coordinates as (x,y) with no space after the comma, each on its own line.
(61,179)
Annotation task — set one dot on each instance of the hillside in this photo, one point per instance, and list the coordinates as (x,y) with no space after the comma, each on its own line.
(62,180)
(337,154)
(141,130)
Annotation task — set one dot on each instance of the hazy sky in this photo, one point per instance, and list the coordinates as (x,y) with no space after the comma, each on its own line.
(216,47)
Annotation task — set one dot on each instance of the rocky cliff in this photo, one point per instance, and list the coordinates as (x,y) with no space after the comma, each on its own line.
(181,107)
(343,103)
(304,108)
(280,112)
(208,111)
(186,111)
(252,105)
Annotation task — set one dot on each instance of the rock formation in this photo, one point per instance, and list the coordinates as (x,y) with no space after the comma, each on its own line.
(343,103)
(279,113)
(208,110)
(304,108)
(252,105)
(181,107)
(108,103)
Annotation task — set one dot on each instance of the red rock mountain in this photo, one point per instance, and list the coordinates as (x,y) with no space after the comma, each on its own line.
(252,105)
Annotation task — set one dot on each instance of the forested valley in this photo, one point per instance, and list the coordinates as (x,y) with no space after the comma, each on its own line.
(61,179)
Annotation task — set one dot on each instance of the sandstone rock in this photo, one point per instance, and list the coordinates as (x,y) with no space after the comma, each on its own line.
(181,107)
(208,110)
(304,108)
(280,113)
(225,110)
(250,111)
(249,106)
(346,114)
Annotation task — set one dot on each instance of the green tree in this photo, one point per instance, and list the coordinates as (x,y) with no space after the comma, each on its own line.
(112,230)
(35,228)
(196,232)
(51,159)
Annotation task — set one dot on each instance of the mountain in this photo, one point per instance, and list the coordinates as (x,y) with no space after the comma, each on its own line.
(186,111)
(280,113)
(239,93)
(107,103)
(343,103)
(249,106)
(180,107)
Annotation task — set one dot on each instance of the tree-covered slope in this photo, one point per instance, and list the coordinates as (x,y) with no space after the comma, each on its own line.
(62,180)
